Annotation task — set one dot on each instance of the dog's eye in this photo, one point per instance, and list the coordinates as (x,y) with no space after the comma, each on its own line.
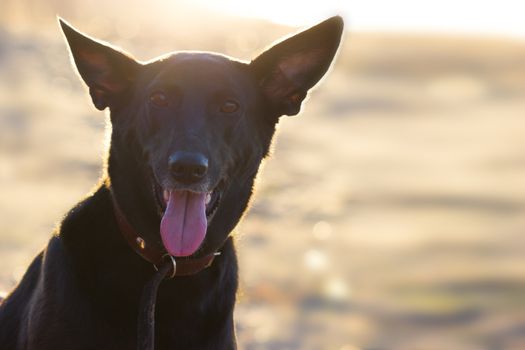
(159,99)
(229,106)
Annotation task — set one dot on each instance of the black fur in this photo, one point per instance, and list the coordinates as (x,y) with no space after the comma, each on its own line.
(82,291)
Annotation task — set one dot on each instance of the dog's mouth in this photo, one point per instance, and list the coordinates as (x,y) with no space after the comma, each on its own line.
(185,217)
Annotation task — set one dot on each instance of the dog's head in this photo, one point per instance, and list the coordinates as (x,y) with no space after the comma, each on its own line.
(190,129)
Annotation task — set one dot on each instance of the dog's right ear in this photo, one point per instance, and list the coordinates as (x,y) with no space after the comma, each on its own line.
(108,72)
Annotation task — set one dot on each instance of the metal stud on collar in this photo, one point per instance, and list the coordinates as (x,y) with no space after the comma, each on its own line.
(141,242)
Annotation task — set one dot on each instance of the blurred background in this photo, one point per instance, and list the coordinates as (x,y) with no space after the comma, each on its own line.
(392,212)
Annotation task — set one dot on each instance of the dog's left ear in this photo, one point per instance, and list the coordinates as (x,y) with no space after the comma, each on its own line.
(108,72)
(287,70)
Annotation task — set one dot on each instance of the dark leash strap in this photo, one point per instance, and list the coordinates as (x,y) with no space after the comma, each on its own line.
(148,299)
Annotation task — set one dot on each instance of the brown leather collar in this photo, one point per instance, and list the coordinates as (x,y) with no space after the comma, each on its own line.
(155,253)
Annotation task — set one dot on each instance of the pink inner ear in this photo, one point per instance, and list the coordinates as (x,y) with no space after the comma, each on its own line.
(93,58)
(109,84)
(291,74)
(296,67)
(278,85)
(104,78)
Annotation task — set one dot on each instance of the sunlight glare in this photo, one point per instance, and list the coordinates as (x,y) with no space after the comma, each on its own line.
(502,17)
(295,13)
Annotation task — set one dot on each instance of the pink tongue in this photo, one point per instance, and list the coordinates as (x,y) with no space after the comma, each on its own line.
(183,226)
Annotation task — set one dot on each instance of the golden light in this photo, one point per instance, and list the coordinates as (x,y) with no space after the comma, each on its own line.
(285,12)
(446,16)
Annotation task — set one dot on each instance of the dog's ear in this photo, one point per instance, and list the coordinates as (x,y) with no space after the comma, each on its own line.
(288,69)
(108,72)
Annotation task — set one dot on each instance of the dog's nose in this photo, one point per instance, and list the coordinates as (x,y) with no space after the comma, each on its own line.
(188,167)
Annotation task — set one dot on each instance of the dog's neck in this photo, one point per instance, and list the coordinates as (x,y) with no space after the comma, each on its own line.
(112,275)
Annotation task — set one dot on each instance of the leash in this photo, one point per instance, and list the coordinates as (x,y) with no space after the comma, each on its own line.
(167,267)
(148,299)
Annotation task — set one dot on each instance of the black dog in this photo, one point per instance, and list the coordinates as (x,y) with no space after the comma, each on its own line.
(189,131)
